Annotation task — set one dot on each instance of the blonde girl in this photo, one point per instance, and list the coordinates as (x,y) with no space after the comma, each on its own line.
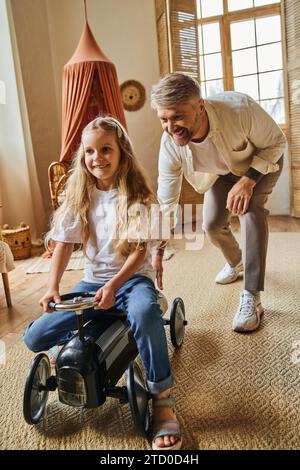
(105,184)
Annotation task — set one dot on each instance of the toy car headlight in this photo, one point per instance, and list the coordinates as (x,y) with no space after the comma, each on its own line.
(71,388)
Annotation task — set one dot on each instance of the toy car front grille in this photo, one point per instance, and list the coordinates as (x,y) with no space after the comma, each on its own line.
(71,388)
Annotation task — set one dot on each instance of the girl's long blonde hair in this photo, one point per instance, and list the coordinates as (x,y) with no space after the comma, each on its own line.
(130,183)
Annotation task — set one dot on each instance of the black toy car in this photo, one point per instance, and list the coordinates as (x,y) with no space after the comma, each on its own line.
(90,365)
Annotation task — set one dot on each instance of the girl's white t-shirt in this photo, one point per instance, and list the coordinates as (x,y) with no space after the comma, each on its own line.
(102,261)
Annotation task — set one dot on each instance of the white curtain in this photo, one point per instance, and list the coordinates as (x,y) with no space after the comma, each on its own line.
(19,188)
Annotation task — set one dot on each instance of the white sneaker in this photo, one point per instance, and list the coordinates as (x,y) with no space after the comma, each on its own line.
(229,274)
(247,317)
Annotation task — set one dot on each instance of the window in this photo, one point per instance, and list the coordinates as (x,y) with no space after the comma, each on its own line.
(240,48)
(211,67)
(234,5)
(238,45)
(257,62)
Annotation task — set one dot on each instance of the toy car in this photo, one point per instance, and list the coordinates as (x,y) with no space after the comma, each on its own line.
(90,365)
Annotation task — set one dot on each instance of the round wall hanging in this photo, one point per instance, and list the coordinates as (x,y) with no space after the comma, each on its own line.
(133,95)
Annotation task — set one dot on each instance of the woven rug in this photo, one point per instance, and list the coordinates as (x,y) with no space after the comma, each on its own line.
(42,265)
(233,391)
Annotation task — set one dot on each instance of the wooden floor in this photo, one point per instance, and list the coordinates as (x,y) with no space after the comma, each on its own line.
(27,289)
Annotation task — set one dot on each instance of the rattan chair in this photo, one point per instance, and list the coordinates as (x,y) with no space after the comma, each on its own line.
(6,283)
(57,176)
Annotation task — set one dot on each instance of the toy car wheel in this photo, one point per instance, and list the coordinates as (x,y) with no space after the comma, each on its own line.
(177,322)
(138,397)
(35,396)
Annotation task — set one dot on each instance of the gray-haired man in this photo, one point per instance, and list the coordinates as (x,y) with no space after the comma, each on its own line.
(228,147)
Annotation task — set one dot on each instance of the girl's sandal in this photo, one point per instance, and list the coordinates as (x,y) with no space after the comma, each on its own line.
(166,427)
(53,353)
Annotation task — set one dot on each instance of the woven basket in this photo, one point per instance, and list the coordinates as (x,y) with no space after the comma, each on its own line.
(19,241)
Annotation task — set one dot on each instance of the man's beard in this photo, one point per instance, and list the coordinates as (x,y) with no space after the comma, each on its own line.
(182,136)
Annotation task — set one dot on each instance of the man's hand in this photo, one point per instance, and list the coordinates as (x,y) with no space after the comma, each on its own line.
(239,196)
(105,297)
(157,264)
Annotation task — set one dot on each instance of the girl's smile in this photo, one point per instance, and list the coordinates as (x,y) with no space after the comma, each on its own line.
(102,157)
(101,166)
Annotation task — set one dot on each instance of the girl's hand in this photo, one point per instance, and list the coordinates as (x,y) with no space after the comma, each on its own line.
(105,297)
(51,294)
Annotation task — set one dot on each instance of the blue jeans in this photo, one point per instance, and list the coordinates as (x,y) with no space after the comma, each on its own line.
(138,299)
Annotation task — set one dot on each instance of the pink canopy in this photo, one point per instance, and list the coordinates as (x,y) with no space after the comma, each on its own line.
(90,88)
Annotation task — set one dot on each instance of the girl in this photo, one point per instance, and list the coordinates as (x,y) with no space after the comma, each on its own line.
(105,173)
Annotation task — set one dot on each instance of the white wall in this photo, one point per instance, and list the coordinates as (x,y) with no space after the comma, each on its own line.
(126,32)
(279,201)
(32,34)
(19,187)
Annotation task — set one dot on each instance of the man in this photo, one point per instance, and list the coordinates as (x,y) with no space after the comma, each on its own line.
(228,147)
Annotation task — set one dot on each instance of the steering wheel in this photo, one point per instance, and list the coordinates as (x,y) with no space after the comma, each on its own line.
(74,301)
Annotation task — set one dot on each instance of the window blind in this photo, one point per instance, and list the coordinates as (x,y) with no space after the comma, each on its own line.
(292,26)
(177,36)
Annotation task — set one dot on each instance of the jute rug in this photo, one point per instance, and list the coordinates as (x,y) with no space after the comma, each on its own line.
(233,391)
(42,265)
(77,261)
